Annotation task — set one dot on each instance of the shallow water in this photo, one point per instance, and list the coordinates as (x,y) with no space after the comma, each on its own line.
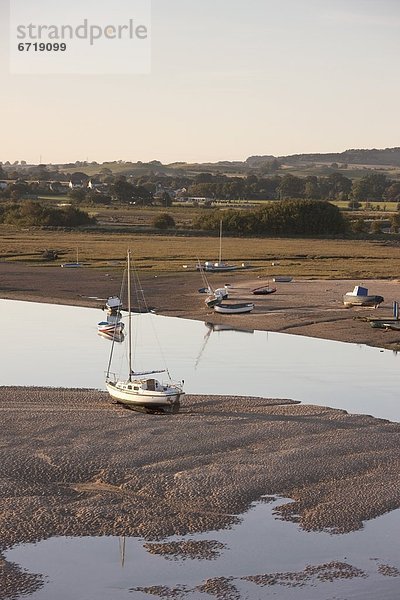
(88,568)
(59,346)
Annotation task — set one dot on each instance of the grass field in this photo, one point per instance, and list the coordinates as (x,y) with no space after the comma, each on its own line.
(168,253)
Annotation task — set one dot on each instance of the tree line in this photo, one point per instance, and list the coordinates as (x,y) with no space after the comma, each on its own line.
(144,189)
(287,217)
(374,186)
(34,214)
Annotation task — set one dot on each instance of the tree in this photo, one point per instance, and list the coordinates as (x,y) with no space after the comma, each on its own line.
(370,187)
(311,188)
(127,193)
(164,221)
(77,195)
(392,193)
(291,187)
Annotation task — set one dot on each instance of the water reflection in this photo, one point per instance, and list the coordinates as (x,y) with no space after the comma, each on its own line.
(353,377)
(242,560)
(246,557)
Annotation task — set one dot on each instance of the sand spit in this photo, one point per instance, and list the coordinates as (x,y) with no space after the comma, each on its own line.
(72,463)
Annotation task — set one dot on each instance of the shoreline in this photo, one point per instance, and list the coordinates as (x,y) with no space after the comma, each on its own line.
(309,307)
(206,464)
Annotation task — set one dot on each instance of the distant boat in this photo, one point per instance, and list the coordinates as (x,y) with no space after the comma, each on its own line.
(73,264)
(113,305)
(222,327)
(360,297)
(234,308)
(218,266)
(140,390)
(263,290)
(392,325)
(214,296)
(387,322)
(282,279)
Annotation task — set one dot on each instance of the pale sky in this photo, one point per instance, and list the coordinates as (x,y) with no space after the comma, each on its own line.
(229,79)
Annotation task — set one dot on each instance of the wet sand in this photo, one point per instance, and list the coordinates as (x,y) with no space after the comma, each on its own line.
(73,464)
(302,307)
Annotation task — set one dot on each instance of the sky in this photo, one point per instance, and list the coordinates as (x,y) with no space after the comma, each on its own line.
(228,79)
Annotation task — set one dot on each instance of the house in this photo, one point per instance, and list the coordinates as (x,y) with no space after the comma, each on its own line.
(3,185)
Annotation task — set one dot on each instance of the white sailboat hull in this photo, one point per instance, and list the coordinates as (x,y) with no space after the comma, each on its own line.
(124,392)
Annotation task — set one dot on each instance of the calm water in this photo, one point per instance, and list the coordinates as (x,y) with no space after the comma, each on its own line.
(59,346)
(92,568)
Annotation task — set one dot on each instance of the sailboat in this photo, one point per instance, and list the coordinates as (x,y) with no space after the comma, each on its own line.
(73,264)
(219,266)
(214,296)
(141,390)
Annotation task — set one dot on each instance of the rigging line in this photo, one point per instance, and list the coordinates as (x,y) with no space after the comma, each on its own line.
(141,291)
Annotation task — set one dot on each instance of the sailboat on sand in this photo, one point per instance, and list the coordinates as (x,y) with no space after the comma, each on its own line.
(219,266)
(141,390)
(73,265)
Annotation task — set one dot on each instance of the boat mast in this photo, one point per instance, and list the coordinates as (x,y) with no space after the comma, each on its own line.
(129,316)
(220,241)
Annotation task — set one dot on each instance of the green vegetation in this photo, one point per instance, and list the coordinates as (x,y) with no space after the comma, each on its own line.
(164,221)
(34,214)
(314,258)
(289,217)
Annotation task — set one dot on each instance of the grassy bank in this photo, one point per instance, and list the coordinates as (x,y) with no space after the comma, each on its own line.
(298,257)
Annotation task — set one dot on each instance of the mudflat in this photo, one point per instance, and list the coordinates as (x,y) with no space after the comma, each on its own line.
(74,464)
(311,307)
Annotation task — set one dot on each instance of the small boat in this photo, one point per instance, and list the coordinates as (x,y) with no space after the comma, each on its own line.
(387,322)
(113,304)
(395,325)
(141,390)
(234,308)
(214,296)
(221,327)
(282,279)
(263,290)
(212,301)
(73,265)
(219,266)
(360,297)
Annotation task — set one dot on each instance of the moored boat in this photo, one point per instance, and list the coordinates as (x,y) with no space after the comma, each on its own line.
(218,266)
(141,390)
(234,308)
(282,279)
(113,305)
(360,297)
(263,290)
